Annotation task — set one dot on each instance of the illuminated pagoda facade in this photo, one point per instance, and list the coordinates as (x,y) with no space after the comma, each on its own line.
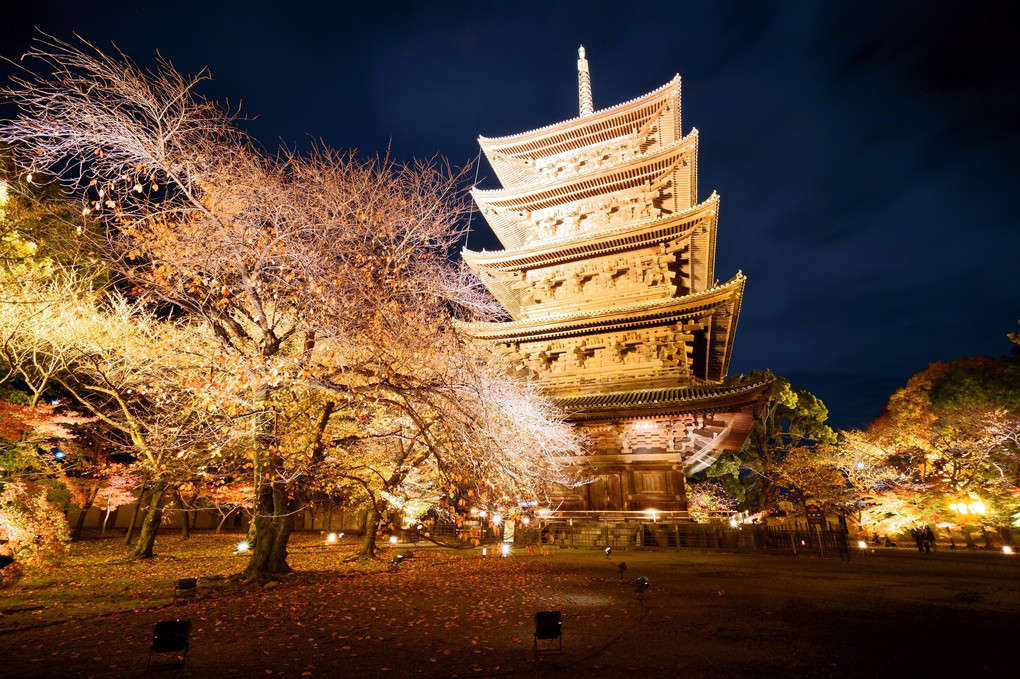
(608,275)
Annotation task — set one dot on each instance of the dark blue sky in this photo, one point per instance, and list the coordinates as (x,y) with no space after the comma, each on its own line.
(866,153)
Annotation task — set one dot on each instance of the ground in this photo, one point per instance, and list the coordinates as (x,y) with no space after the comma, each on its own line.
(446,613)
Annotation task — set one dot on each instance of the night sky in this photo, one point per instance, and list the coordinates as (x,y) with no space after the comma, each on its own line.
(866,153)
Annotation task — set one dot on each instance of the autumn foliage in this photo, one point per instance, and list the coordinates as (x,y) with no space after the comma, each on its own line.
(286,322)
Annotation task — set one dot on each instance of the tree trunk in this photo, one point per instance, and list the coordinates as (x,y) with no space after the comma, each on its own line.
(80,525)
(134,516)
(968,538)
(185,518)
(368,542)
(150,526)
(272,524)
(223,520)
(106,517)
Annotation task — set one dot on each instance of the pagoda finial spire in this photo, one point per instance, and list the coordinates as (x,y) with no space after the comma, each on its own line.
(584,84)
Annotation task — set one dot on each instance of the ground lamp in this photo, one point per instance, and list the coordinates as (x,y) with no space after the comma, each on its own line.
(609,552)
(640,586)
(331,538)
(621,569)
(242,547)
(393,539)
(548,626)
(186,588)
(170,636)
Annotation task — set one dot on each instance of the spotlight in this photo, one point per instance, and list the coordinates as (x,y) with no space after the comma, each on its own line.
(733,522)
(526,521)
(242,547)
(640,586)
(331,538)
(1006,549)
(504,549)
(548,628)
(609,552)
(621,569)
(861,544)
(497,519)
(58,454)
(393,539)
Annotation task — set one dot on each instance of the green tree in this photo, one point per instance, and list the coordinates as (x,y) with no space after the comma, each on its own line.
(791,421)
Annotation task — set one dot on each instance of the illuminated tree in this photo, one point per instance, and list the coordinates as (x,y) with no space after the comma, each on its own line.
(792,421)
(325,281)
(33,528)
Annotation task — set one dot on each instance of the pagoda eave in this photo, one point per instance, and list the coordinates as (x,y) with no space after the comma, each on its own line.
(670,89)
(677,225)
(636,405)
(525,195)
(653,313)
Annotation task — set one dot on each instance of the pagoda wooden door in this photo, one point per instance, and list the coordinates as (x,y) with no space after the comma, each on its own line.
(605,493)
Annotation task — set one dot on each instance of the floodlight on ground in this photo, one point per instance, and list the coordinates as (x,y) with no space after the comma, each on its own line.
(1007,550)
(186,587)
(548,629)
(393,539)
(609,552)
(733,522)
(861,544)
(331,538)
(621,569)
(242,547)
(641,586)
(170,636)
(504,549)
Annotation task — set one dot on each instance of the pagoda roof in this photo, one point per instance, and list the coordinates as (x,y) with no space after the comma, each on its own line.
(618,317)
(584,245)
(721,302)
(514,157)
(698,397)
(500,270)
(737,403)
(497,205)
(581,127)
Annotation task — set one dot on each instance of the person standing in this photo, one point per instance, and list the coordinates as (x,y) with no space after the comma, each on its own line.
(929,539)
(915,533)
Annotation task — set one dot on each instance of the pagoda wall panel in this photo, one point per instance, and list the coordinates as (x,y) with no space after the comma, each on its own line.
(604,282)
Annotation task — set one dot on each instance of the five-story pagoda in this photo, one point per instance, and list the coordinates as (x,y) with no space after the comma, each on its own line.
(608,274)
